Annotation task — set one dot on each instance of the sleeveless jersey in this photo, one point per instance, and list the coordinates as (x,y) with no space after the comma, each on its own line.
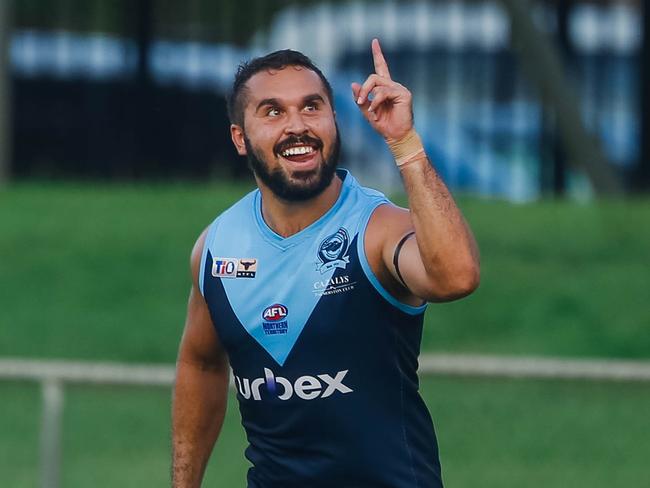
(324,358)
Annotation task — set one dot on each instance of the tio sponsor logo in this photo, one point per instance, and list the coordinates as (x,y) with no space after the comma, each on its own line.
(224,268)
(234,267)
(306,387)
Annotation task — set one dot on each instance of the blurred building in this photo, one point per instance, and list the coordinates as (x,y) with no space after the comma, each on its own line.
(136,89)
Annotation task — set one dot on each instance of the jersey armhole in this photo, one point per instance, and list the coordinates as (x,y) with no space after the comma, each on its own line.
(204,254)
(365,265)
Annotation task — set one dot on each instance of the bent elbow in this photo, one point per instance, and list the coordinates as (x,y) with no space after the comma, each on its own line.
(470,281)
(462,283)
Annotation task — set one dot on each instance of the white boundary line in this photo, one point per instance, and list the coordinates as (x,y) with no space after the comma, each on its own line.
(535,367)
(430,364)
(86,372)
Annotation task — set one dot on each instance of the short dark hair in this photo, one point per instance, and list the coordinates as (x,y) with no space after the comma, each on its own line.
(275,60)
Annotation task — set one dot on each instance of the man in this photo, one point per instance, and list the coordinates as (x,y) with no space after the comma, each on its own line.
(313,289)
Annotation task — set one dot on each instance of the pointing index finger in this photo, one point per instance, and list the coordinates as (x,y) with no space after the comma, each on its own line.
(381,68)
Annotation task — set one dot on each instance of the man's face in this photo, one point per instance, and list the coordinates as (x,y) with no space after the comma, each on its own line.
(289,136)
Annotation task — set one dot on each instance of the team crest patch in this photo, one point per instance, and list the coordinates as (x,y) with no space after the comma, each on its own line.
(247,268)
(333,251)
(234,267)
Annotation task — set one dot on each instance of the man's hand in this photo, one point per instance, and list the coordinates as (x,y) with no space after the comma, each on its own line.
(390,110)
(441,262)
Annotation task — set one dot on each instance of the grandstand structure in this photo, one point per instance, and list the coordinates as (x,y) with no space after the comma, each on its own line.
(515,99)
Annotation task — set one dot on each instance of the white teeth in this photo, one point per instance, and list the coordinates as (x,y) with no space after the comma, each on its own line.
(297,150)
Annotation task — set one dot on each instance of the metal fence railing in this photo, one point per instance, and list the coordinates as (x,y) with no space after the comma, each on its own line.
(54,375)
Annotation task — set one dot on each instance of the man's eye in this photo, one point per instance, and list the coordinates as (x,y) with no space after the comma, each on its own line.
(311,107)
(273,112)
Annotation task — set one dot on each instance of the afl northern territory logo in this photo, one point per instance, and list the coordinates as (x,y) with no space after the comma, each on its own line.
(333,251)
(274,319)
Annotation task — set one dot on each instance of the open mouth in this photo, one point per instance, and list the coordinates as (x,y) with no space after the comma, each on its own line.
(299,154)
(299,150)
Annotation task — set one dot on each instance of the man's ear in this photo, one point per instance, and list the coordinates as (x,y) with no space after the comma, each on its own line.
(237,136)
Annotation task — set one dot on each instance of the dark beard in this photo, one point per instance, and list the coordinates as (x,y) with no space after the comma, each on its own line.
(313,183)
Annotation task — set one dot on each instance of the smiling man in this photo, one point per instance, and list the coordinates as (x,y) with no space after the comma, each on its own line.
(313,289)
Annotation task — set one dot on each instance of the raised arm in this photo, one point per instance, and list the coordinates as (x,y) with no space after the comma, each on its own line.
(439,261)
(201,388)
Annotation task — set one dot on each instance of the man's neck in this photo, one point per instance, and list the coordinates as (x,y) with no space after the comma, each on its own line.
(288,218)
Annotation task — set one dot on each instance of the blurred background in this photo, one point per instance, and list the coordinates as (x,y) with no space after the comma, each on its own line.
(115,153)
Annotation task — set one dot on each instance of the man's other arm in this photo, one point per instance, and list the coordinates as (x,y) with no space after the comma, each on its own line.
(441,261)
(201,388)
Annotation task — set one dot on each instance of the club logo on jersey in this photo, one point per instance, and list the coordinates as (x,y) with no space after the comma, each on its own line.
(333,286)
(274,319)
(333,251)
(247,268)
(234,267)
(306,387)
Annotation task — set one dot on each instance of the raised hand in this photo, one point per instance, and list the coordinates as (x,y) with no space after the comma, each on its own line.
(386,104)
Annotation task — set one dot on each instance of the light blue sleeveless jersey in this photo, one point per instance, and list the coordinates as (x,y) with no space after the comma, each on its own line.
(324,358)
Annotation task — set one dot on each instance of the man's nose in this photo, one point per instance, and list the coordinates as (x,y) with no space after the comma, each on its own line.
(295,123)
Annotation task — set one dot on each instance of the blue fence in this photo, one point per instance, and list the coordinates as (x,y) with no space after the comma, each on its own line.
(483,123)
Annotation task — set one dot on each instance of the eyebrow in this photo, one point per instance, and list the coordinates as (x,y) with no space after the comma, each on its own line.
(267,101)
(314,97)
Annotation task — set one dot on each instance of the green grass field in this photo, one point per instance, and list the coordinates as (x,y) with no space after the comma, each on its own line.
(493,433)
(100,272)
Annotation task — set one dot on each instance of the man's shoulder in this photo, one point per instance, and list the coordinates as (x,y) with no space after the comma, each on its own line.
(230,222)
(242,208)
(377,207)
(231,218)
(361,191)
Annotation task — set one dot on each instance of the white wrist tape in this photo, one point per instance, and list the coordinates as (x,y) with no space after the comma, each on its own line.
(407,149)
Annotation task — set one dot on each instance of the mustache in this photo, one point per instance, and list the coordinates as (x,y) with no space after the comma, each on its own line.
(297,140)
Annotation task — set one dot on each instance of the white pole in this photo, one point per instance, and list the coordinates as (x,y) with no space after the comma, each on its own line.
(52,417)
